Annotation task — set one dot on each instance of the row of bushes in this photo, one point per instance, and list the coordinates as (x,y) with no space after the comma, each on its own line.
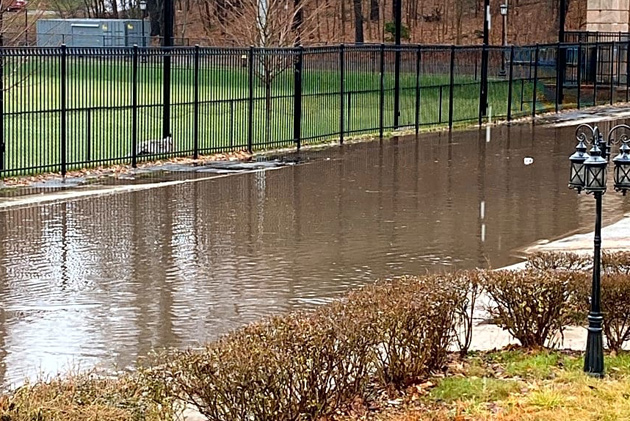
(307,365)
(391,333)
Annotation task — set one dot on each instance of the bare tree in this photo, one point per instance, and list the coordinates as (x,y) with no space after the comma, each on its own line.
(358,21)
(268,24)
(461,7)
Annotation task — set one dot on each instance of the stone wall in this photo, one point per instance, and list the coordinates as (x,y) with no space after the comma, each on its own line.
(607,15)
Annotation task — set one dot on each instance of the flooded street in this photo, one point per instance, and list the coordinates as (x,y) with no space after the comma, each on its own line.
(103,280)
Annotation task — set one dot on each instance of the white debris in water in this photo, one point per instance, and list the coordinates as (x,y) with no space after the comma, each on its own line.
(528,160)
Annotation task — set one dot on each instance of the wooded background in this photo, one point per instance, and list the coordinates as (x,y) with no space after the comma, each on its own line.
(312,22)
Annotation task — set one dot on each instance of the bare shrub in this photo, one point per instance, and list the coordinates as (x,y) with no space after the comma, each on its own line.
(468,284)
(616,262)
(307,365)
(285,368)
(411,321)
(615,303)
(534,305)
(615,289)
(558,261)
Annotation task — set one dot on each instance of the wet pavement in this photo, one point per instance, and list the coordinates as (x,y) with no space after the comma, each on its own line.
(101,274)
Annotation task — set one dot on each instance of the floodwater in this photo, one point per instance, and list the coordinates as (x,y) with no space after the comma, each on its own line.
(100,281)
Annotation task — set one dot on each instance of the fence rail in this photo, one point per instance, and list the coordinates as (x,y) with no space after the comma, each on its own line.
(63,108)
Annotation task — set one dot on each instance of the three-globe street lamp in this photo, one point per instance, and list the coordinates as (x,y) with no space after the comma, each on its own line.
(588,173)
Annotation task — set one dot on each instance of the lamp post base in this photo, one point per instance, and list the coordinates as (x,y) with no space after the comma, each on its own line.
(594,359)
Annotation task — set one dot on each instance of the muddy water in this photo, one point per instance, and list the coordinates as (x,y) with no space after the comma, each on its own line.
(102,280)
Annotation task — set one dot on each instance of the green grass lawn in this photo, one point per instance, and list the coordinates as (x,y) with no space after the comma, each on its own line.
(100,95)
(514,385)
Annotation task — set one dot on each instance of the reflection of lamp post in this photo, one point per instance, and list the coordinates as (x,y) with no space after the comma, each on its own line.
(588,173)
(143,7)
(504,12)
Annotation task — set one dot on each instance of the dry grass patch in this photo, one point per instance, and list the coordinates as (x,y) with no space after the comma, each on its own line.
(86,397)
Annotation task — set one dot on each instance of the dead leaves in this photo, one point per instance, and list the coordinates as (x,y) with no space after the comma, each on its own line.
(119,170)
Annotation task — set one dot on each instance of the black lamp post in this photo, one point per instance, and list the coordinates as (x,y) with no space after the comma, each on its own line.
(143,8)
(588,173)
(504,12)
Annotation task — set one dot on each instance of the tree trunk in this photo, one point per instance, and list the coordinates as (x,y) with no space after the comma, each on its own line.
(358,21)
(343,20)
(458,21)
(374,10)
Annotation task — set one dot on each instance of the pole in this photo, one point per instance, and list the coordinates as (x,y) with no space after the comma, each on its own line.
(62,106)
(504,43)
(381,97)
(297,97)
(167,42)
(483,97)
(612,71)
(558,77)
(511,85)
(417,110)
(26,26)
(535,93)
(594,359)
(134,108)
(398,33)
(250,99)
(451,88)
(579,76)
(196,106)
(342,66)
(2,143)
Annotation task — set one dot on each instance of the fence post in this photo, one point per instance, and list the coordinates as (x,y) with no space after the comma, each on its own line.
(297,98)
(558,78)
(451,86)
(612,72)
(2,143)
(511,83)
(250,100)
(88,135)
(483,94)
(596,62)
(536,57)
(342,92)
(381,104)
(63,139)
(166,88)
(561,68)
(579,76)
(618,60)
(417,111)
(134,107)
(397,55)
(196,106)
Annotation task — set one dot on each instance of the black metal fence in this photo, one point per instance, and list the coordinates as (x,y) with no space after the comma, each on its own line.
(64,108)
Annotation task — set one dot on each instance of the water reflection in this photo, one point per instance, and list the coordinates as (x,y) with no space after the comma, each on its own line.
(104,280)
